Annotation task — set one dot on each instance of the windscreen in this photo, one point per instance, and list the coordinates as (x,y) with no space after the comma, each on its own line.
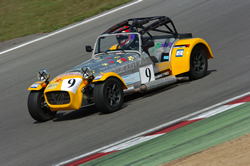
(121,41)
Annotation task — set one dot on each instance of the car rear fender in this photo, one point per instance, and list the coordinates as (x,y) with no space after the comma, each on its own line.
(103,77)
(181,52)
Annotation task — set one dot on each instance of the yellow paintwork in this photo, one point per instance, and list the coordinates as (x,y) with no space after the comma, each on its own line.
(39,87)
(66,76)
(181,65)
(110,74)
(163,66)
(115,47)
(75,99)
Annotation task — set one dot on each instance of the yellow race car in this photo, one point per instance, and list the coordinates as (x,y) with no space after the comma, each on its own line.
(135,55)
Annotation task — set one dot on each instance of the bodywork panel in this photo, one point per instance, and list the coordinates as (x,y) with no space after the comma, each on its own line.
(180,56)
(119,63)
(36,86)
(64,92)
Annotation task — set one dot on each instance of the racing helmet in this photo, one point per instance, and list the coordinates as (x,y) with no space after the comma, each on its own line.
(125,40)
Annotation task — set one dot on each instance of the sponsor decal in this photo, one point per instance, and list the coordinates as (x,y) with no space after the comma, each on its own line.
(34,85)
(112,63)
(119,61)
(166,57)
(179,53)
(117,57)
(103,68)
(58,80)
(98,77)
(122,68)
(124,59)
(162,66)
(156,46)
(131,78)
(69,74)
(159,45)
(131,58)
(166,45)
(52,86)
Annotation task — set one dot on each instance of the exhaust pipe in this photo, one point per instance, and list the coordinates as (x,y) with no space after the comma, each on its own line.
(157,84)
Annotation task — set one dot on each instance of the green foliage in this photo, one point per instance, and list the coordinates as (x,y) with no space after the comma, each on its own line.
(24,17)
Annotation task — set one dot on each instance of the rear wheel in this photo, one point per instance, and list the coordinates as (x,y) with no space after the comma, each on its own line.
(38,108)
(198,63)
(108,95)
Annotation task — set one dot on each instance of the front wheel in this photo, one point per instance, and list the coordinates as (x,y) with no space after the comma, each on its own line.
(38,108)
(198,63)
(108,95)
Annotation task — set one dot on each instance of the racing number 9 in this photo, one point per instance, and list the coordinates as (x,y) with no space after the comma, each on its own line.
(71,82)
(148,74)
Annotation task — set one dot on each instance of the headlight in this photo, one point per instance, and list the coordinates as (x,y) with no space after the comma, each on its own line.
(43,75)
(86,72)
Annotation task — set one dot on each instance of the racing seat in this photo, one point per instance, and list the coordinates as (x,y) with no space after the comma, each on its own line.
(145,49)
(162,47)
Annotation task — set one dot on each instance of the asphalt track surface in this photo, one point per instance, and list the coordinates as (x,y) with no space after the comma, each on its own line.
(223,24)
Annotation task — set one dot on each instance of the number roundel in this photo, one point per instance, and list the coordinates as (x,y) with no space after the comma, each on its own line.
(147,74)
(71,84)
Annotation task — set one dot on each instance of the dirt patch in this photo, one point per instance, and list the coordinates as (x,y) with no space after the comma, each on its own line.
(230,153)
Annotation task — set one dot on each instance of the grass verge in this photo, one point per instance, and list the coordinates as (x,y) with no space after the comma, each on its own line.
(25,17)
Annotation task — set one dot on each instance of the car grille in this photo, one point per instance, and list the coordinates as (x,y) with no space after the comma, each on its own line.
(57,98)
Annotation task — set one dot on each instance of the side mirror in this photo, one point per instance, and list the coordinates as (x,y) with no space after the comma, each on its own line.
(149,44)
(88,48)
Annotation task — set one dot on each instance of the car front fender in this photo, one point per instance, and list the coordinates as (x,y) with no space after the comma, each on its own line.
(36,86)
(103,77)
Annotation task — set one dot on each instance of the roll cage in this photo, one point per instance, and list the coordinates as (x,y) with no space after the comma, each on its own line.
(146,24)
(146,28)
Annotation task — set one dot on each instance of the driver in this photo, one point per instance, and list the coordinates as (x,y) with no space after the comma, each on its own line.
(122,39)
(126,41)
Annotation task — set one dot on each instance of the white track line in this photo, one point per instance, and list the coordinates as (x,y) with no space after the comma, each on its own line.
(73,26)
(155,128)
(216,111)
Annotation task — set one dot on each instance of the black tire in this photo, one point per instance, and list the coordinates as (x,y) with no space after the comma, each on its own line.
(37,107)
(198,63)
(108,95)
